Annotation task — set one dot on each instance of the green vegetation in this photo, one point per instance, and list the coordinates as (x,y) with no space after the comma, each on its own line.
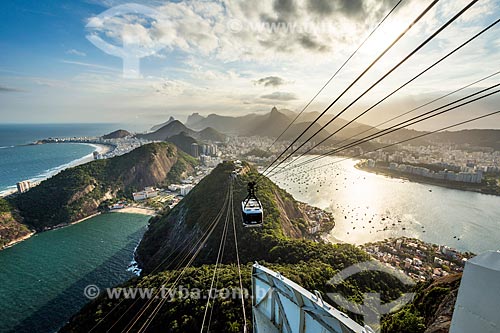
(492,184)
(4,206)
(10,226)
(79,192)
(179,169)
(432,306)
(183,141)
(311,264)
(407,320)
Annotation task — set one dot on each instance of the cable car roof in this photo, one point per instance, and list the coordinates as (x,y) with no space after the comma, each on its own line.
(251,206)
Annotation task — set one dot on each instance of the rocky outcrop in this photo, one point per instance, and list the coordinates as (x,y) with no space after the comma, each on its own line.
(440,320)
(119,134)
(288,212)
(12,230)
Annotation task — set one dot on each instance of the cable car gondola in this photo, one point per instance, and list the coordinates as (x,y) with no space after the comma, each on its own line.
(251,208)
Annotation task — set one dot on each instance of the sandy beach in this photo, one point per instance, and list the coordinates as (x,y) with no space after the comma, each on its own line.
(101,149)
(136,210)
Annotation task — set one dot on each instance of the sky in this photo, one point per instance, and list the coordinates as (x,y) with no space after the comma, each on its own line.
(73,61)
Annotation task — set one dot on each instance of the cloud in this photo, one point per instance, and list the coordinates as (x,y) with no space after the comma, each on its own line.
(280,96)
(76,52)
(287,7)
(89,65)
(270,81)
(4,89)
(309,42)
(259,31)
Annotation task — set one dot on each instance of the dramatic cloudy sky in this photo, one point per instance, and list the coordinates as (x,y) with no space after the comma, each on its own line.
(232,57)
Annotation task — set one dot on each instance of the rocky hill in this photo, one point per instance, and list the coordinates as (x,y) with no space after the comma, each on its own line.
(11,226)
(117,134)
(281,243)
(183,141)
(284,219)
(210,134)
(78,192)
(163,133)
(175,127)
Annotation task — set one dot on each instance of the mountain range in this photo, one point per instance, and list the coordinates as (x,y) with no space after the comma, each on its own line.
(272,124)
(175,127)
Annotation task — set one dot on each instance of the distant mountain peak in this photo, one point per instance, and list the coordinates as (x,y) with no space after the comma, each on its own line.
(164,132)
(157,127)
(194,119)
(275,113)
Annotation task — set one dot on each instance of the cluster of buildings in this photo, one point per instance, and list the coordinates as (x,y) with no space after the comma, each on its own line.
(447,157)
(175,190)
(318,218)
(449,175)
(182,189)
(204,149)
(419,260)
(208,154)
(237,147)
(210,161)
(119,146)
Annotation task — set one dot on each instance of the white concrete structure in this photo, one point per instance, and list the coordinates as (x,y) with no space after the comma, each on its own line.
(148,192)
(282,306)
(24,186)
(478,304)
(185,189)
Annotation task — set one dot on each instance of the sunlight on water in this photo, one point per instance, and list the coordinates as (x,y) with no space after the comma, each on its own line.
(369,207)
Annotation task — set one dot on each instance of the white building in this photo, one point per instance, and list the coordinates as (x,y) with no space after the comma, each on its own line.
(185,189)
(24,186)
(478,301)
(148,192)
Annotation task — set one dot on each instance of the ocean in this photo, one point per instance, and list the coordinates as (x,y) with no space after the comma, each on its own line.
(20,161)
(42,279)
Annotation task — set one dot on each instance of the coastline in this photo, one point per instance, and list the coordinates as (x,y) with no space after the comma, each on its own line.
(128,210)
(100,148)
(423,180)
(135,210)
(18,240)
